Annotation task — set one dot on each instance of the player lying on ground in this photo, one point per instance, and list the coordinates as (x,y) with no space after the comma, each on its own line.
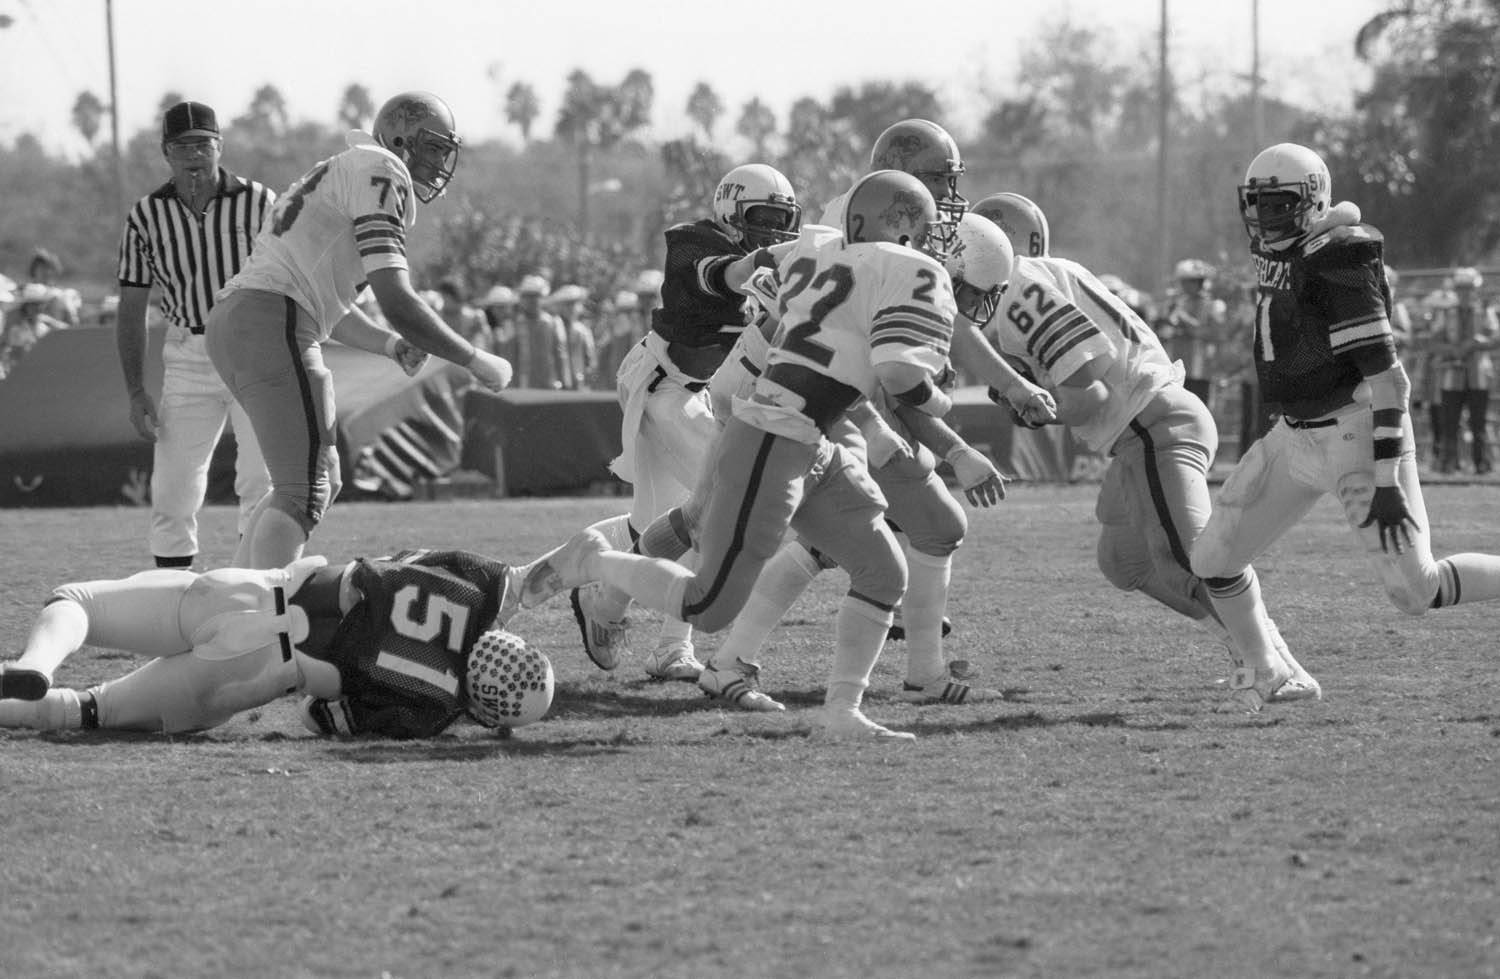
(391,646)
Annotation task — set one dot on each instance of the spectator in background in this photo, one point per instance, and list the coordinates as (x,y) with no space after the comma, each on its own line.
(541,340)
(462,317)
(567,306)
(499,308)
(1191,325)
(1426,388)
(617,334)
(62,305)
(26,325)
(1465,333)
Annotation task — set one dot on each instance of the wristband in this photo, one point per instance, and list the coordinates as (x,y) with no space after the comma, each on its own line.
(1385,472)
(390,345)
(917,396)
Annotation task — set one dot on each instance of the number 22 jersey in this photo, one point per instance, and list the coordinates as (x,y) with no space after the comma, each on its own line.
(343,219)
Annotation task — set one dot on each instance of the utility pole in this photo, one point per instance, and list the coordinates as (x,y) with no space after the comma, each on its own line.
(1164,103)
(1257,118)
(114,111)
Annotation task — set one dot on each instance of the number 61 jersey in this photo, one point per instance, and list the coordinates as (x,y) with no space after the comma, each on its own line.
(341,220)
(1055,316)
(402,651)
(844,308)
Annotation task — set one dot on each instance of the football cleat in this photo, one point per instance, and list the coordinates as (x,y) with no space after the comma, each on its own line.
(20,683)
(850,724)
(897,631)
(1301,686)
(946,691)
(674,660)
(1250,691)
(603,641)
(738,685)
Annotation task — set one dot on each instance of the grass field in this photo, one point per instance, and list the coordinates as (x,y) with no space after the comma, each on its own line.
(1101,822)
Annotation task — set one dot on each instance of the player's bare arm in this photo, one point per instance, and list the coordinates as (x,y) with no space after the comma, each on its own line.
(973,353)
(421,326)
(982,483)
(1082,393)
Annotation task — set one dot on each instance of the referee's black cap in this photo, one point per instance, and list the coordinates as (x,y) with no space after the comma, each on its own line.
(188,119)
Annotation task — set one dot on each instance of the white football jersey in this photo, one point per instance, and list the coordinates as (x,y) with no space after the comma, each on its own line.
(1055,316)
(843,309)
(343,219)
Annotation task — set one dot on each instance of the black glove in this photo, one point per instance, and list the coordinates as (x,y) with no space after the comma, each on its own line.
(1388,512)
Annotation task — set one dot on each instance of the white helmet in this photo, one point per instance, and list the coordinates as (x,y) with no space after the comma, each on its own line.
(755,205)
(1287,190)
(979,263)
(508,684)
(1021,219)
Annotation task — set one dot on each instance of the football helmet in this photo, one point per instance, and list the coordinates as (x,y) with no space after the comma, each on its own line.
(1021,220)
(508,684)
(756,206)
(418,127)
(979,264)
(1287,190)
(926,151)
(890,205)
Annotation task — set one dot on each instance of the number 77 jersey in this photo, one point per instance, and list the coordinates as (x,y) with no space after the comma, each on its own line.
(844,308)
(1055,317)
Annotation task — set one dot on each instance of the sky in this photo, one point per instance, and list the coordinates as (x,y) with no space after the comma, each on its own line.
(471,51)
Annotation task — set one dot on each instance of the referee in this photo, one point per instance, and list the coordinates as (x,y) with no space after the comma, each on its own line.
(187,238)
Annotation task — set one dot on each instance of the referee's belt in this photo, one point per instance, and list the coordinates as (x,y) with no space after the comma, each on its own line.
(1308,422)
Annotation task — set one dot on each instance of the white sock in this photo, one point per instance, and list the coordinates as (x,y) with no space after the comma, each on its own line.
(922,611)
(784,578)
(673,629)
(1244,616)
(860,635)
(655,583)
(58,711)
(60,630)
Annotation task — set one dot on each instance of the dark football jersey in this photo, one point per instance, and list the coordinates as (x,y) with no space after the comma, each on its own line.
(1321,320)
(697,308)
(402,652)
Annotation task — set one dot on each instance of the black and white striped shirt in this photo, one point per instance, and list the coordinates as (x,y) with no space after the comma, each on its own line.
(191,256)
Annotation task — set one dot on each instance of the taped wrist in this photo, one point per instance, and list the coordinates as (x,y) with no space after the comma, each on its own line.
(1389,433)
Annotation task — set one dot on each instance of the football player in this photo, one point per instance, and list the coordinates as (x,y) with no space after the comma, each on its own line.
(1324,354)
(668,426)
(867,310)
(1124,398)
(399,646)
(342,225)
(1022,220)
(918,503)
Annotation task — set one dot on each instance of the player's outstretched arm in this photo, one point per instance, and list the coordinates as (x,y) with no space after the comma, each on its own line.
(424,328)
(973,353)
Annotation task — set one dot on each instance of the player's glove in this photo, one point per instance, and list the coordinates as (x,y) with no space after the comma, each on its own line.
(408,356)
(1388,512)
(981,482)
(490,370)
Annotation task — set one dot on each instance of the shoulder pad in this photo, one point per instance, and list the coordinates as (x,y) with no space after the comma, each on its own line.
(1351,242)
(704,231)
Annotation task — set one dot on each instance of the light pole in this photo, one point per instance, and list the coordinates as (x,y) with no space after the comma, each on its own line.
(114,111)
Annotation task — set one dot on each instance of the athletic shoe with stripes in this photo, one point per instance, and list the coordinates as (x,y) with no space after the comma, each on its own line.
(603,641)
(738,686)
(945,690)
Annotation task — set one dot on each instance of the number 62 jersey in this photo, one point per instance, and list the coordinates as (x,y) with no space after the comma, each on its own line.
(1055,316)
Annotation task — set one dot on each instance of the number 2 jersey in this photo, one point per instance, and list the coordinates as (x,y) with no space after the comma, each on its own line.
(402,651)
(343,219)
(1055,316)
(844,308)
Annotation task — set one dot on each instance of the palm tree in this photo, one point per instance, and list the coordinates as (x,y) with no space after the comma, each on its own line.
(88,112)
(757,123)
(521,108)
(356,108)
(705,107)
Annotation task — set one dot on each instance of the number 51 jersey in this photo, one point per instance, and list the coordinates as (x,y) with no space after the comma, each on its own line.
(343,219)
(402,651)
